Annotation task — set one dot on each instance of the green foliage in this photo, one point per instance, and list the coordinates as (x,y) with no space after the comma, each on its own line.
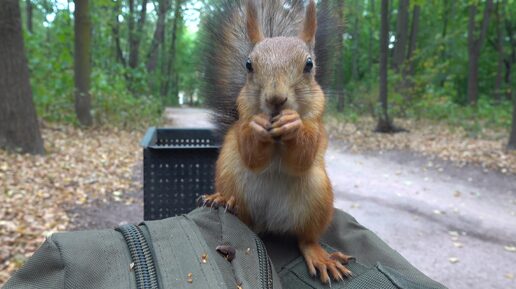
(437,88)
(50,60)
(114,104)
(473,119)
(121,95)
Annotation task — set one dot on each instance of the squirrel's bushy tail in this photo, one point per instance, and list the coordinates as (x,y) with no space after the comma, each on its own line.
(226,47)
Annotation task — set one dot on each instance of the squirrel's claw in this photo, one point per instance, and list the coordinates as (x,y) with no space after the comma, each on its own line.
(218,200)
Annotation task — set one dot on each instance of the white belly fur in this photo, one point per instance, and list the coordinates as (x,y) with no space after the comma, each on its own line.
(277,202)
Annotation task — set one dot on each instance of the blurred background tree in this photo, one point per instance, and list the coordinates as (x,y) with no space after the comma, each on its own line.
(19,129)
(448,61)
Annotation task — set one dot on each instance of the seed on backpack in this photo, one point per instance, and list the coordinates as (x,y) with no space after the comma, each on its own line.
(248,251)
(131,266)
(227,252)
(204,258)
(190,278)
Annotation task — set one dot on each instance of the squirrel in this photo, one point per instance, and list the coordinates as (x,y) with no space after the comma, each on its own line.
(261,73)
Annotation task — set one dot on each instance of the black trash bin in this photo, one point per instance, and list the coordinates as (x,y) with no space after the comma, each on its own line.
(178,167)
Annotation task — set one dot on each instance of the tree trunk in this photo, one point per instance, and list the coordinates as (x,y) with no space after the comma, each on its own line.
(507,77)
(132,33)
(82,62)
(170,64)
(475,45)
(135,34)
(472,67)
(512,139)
(400,46)
(501,55)
(339,70)
(511,56)
(159,35)
(446,14)
(413,37)
(372,14)
(409,69)
(116,33)
(28,9)
(473,76)
(445,17)
(356,38)
(19,129)
(384,123)
(449,12)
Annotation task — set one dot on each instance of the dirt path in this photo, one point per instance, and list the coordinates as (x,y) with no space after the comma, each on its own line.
(187,117)
(457,225)
(433,213)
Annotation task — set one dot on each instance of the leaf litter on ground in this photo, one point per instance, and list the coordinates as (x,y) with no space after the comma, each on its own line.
(80,166)
(430,139)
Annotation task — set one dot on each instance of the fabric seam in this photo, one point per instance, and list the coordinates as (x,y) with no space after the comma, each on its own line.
(61,257)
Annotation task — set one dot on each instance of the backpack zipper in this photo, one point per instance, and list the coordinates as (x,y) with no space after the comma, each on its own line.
(264,263)
(144,269)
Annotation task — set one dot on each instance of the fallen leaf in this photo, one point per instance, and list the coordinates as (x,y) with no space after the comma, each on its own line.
(458,245)
(436,140)
(453,260)
(510,248)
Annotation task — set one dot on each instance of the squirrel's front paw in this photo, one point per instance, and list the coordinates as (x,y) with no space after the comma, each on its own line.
(286,124)
(318,260)
(261,125)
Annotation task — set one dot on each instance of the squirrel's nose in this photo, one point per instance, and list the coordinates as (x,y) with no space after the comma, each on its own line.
(276,102)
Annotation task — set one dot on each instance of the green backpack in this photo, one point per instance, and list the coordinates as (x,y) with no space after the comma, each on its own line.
(208,248)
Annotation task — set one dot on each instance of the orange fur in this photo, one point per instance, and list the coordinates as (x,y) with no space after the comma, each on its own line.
(300,152)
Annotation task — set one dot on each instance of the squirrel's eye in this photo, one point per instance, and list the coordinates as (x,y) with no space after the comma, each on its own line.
(309,65)
(249,65)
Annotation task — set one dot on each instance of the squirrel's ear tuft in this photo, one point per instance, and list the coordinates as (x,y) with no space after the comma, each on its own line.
(309,24)
(253,26)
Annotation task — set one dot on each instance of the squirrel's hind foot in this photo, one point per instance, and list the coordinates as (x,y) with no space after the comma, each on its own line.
(318,260)
(218,200)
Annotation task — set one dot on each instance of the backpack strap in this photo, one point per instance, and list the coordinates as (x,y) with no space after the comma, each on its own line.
(141,255)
